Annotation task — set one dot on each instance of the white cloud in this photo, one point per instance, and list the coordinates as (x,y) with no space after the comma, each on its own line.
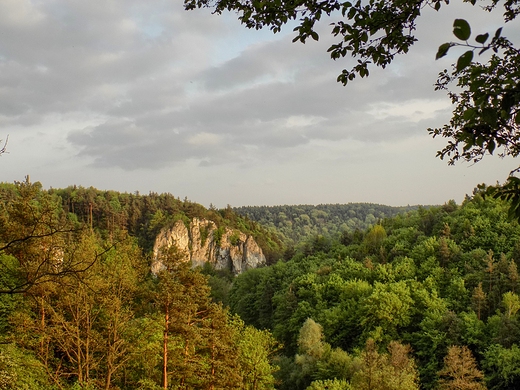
(413,110)
(204,139)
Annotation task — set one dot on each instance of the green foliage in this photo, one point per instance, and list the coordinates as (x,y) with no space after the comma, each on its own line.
(143,216)
(356,25)
(503,367)
(388,308)
(331,314)
(486,115)
(20,370)
(234,239)
(330,384)
(309,223)
(217,236)
(444,274)
(33,230)
(256,352)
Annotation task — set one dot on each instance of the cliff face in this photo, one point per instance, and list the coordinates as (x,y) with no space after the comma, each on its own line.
(224,249)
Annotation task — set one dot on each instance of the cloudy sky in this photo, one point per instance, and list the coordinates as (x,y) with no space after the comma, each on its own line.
(135,95)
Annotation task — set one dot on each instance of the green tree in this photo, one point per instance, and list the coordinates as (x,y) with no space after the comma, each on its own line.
(199,348)
(311,347)
(121,273)
(33,230)
(21,370)
(502,367)
(374,240)
(330,384)
(511,303)
(337,364)
(256,351)
(387,309)
(478,299)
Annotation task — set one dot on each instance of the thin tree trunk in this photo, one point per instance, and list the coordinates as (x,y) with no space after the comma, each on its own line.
(165,349)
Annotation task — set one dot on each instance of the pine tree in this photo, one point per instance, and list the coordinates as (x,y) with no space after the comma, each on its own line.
(199,350)
(479,299)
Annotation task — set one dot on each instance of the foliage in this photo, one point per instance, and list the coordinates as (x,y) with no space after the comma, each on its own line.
(143,216)
(34,231)
(486,117)
(503,364)
(392,371)
(305,222)
(256,351)
(20,370)
(329,384)
(388,302)
(372,33)
(432,278)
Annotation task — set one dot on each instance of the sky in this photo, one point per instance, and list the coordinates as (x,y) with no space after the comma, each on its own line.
(134,95)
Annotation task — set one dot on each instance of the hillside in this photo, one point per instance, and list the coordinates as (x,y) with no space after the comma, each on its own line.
(143,216)
(407,290)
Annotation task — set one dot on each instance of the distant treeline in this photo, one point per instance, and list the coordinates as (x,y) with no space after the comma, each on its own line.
(300,222)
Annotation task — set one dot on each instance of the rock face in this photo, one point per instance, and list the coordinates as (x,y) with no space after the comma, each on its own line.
(203,242)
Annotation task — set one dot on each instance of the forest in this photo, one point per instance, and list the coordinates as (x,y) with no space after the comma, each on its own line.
(301,222)
(419,298)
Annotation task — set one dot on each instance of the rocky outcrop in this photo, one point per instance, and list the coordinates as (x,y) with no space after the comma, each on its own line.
(203,242)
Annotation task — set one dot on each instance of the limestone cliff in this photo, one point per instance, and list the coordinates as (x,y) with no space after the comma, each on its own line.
(203,242)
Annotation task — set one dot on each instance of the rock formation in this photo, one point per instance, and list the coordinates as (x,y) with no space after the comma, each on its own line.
(202,242)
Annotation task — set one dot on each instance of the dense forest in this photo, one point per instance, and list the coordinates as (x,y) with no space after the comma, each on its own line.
(81,310)
(301,222)
(425,299)
(142,216)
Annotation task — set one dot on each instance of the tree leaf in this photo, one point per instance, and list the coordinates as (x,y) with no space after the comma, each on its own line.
(469,114)
(464,60)
(491,146)
(482,38)
(443,50)
(461,29)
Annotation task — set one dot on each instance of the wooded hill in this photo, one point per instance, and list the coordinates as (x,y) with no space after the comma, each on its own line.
(300,222)
(426,299)
(80,308)
(143,216)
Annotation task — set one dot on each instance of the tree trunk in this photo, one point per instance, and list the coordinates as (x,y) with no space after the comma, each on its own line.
(165,348)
